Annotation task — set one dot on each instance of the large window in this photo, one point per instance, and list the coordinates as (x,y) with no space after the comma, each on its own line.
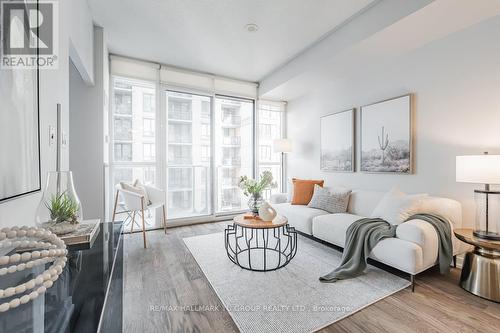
(234,157)
(188,164)
(133,139)
(270,119)
(206,143)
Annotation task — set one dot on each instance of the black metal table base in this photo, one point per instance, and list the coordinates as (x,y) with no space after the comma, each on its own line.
(260,250)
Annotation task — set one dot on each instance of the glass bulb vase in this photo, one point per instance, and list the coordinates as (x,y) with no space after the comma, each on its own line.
(59,209)
(254,203)
(487,223)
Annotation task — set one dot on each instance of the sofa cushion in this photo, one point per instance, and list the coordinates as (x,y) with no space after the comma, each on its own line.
(303,190)
(332,201)
(447,208)
(332,227)
(396,206)
(299,216)
(363,202)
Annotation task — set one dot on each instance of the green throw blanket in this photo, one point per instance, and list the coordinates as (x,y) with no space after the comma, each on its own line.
(364,234)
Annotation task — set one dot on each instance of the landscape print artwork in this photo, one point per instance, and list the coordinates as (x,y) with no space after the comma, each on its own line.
(386,136)
(337,142)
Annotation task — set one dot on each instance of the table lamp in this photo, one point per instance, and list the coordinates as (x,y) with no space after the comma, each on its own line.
(282,146)
(483,169)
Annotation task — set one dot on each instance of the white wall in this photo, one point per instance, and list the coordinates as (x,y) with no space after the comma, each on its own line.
(54,88)
(87,131)
(456,82)
(81,34)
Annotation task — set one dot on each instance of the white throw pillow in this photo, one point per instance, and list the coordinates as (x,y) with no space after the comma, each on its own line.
(138,188)
(396,206)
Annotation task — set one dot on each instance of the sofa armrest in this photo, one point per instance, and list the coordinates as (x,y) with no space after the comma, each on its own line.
(419,232)
(424,235)
(278,198)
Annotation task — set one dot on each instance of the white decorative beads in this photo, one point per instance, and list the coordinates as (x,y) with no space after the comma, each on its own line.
(15,258)
(50,249)
(24,299)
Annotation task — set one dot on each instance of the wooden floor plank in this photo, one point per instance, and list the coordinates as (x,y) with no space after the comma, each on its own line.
(165,276)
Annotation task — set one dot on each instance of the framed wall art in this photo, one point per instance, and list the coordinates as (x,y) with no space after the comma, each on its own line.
(19,128)
(337,141)
(386,136)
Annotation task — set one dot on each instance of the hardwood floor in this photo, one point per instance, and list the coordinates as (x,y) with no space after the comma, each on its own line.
(166,291)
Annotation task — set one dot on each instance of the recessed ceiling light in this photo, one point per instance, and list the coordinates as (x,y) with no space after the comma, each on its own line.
(251,27)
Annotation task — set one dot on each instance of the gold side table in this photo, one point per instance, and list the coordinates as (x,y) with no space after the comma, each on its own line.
(481,267)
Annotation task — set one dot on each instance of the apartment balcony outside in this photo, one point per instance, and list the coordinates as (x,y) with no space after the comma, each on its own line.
(185,115)
(188,190)
(231,120)
(230,199)
(180,160)
(123,134)
(231,140)
(230,205)
(123,109)
(205,117)
(230,182)
(231,161)
(180,141)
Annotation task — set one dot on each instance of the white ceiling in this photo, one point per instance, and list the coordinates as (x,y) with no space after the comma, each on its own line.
(380,50)
(209,35)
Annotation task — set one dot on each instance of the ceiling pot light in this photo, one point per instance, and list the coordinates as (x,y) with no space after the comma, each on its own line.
(251,27)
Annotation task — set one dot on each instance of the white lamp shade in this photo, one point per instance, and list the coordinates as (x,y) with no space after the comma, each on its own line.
(478,169)
(282,146)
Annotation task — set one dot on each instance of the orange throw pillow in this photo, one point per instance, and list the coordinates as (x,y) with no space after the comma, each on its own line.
(303,190)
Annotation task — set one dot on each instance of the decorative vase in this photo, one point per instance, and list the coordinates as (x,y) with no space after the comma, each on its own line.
(254,203)
(60,209)
(266,212)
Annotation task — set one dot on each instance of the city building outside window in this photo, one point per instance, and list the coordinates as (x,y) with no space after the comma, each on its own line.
(148,127)
(271,127)
(123,152)
(148,103)
(132,134)
(148,151)
(191,134)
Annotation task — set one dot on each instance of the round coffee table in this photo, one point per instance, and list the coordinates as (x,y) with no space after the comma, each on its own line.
(259,245)
(481,267)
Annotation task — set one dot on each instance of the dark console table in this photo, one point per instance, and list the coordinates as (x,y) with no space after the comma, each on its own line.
(87,297)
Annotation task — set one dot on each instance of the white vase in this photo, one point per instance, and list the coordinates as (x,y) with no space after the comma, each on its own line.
(266,212)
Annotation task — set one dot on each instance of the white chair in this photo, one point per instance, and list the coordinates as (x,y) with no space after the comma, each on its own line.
(136,203)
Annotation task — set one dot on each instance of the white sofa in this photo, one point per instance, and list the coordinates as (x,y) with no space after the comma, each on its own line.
(413,250)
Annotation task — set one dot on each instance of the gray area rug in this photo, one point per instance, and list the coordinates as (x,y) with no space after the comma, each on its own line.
(290,299)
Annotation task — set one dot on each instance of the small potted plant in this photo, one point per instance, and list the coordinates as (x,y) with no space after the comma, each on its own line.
(253,189)
(60,209)
(63,213)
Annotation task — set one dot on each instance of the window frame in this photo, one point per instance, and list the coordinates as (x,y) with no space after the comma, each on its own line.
(161,139)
